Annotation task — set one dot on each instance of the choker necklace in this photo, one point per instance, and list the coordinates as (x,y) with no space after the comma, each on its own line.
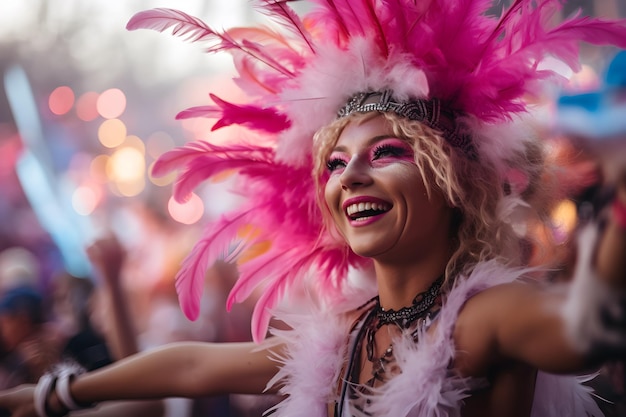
(420,311)
(406,316)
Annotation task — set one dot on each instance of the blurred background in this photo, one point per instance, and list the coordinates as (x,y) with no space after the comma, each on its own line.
(86,107)
(97,105)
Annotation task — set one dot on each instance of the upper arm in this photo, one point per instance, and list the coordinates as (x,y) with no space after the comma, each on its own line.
(520,322)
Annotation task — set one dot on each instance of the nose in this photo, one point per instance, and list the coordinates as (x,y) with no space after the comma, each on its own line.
(355,174)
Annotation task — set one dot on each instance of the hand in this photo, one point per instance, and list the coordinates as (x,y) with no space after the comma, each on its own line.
(19,401)
(107,257)
(39,353)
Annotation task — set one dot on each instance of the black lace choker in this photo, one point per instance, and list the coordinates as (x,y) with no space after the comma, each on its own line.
(406,316)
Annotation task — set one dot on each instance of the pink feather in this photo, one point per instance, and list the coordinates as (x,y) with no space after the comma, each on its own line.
(280,11)
(278,271)
(194,30)
(278,203)
(213,246)
(201,160)
(253,117)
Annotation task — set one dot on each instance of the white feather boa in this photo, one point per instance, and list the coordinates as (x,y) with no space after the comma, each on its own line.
(318,349)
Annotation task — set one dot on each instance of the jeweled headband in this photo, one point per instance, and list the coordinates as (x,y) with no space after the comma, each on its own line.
(427,111)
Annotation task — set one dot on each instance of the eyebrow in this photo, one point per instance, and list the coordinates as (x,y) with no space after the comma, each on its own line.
(370,142)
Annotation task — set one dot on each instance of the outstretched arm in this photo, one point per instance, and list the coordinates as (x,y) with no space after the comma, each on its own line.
(189,369)
(186,369)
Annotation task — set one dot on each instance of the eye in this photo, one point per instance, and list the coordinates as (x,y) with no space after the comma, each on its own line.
(335,163)
(386,150)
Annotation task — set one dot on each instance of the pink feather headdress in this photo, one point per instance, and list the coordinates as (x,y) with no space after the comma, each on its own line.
(299,75)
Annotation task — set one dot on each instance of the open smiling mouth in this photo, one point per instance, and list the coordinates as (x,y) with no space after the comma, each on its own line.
(363,211)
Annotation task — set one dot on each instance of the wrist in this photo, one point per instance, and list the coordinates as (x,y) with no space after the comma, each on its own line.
(54,407)
(52,396)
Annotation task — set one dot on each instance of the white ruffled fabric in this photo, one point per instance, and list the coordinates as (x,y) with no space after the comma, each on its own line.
(318,348)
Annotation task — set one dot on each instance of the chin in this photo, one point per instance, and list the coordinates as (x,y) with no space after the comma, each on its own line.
(368,251)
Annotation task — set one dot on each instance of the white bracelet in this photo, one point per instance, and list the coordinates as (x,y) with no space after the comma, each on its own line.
(62,388)
(58,380)
(40,396)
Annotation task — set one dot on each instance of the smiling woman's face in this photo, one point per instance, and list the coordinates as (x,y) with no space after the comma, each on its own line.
(377,197)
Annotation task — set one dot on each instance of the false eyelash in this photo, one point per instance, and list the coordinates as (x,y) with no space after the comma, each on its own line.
(334,163)
(387,148)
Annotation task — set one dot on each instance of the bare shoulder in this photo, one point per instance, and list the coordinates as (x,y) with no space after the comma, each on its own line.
(478,323)
(503,297)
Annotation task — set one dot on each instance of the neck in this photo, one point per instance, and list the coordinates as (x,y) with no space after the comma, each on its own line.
(399,284)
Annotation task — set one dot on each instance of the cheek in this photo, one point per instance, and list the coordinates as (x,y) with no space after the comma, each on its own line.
(405,178)
(332,212)
(331,193)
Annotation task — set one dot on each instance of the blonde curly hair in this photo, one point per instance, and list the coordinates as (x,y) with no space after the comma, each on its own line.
(473,187)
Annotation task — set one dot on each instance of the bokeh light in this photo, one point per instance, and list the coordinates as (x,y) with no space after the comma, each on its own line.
(587,79)
(112,133)
(187,213)
(135,142)
(84,200)
(86,109)
(132,188)
(98,168)
(61,100)
(127,164)
(111,103)
(126,169)
(564,219)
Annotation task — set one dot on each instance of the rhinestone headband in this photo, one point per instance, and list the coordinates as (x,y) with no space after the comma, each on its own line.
(429,112)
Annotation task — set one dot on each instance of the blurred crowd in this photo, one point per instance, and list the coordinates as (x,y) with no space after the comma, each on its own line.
(99,319)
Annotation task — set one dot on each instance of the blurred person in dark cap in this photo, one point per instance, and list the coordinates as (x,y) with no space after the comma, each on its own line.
(30,346)
(18,267)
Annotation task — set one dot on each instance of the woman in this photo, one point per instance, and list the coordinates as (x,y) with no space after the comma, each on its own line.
(422,182)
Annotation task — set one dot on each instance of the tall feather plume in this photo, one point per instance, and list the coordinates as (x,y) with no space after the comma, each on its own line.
(276,203)
(505,67)
(296,78)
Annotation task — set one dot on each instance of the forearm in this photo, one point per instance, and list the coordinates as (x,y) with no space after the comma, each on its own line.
(108,257)
(121,337)
(178,370)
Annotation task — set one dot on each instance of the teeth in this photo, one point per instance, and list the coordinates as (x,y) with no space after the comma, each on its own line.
(361,207)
